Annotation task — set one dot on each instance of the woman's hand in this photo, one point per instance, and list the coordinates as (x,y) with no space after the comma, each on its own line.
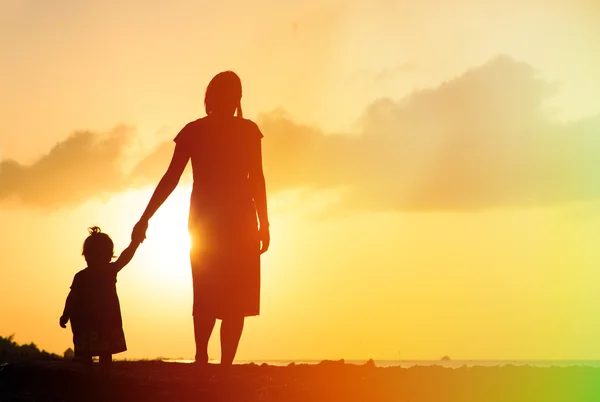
(265,239)
(139,231)
(63,321)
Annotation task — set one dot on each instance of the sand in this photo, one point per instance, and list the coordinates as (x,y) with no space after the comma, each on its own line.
(149,381)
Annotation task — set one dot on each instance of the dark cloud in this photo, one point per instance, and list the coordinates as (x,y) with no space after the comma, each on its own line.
(83,166)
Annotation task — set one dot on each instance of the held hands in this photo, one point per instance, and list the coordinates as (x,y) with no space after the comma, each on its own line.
(139,231)
(265,239)
(139,234)
(63,321)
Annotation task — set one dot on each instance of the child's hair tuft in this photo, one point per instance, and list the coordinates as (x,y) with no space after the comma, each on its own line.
(98,247)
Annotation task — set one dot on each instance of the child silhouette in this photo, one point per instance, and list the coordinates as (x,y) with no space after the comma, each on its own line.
(93,306)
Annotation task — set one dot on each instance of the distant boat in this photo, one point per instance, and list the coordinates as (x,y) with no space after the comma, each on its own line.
(446,358)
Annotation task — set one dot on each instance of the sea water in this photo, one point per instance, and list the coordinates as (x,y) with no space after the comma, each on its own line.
(413,363)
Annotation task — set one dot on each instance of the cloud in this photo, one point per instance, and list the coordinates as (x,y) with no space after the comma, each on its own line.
(83,166)
(387,74)
(153,166)
(481,140)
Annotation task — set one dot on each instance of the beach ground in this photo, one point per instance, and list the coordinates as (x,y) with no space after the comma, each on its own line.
(150,381)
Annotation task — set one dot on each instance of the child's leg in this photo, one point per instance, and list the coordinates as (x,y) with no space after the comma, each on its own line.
(105,363)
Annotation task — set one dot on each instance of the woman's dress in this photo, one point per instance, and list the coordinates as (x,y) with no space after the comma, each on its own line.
(223,226)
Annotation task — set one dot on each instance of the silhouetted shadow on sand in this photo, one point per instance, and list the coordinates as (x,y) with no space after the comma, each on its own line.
(329,381)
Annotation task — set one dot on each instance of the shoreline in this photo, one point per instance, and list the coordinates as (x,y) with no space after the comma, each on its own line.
(409,363)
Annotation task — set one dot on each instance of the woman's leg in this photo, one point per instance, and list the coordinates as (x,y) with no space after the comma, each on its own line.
(105,363)
(203,327)
(87,360)
(231,332)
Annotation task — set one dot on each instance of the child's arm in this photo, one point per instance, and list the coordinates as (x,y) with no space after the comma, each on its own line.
(126,255)
(66,315)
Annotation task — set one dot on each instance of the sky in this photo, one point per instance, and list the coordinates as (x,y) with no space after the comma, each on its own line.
(431,170)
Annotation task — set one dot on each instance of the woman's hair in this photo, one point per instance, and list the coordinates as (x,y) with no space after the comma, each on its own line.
(98,247)
(224,93)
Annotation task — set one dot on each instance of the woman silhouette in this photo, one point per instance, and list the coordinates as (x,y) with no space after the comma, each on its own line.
(228,195)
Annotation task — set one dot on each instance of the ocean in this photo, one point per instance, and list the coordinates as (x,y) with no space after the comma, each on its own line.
(413,363)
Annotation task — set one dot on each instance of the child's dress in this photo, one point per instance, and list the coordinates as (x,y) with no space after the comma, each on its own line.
(95,312)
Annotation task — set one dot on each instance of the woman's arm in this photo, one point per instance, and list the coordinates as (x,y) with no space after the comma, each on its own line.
(258,186)
(164,188)
(259,193)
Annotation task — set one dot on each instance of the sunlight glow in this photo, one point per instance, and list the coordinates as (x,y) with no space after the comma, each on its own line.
(165,252)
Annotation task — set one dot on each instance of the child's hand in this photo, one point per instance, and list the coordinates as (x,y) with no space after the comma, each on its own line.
(138,235)
(63,321)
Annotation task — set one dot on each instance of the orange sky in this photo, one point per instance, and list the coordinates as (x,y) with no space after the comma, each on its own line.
(431,170)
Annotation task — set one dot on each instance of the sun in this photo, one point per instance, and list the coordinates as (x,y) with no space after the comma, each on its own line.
(163,260)
(167,245)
